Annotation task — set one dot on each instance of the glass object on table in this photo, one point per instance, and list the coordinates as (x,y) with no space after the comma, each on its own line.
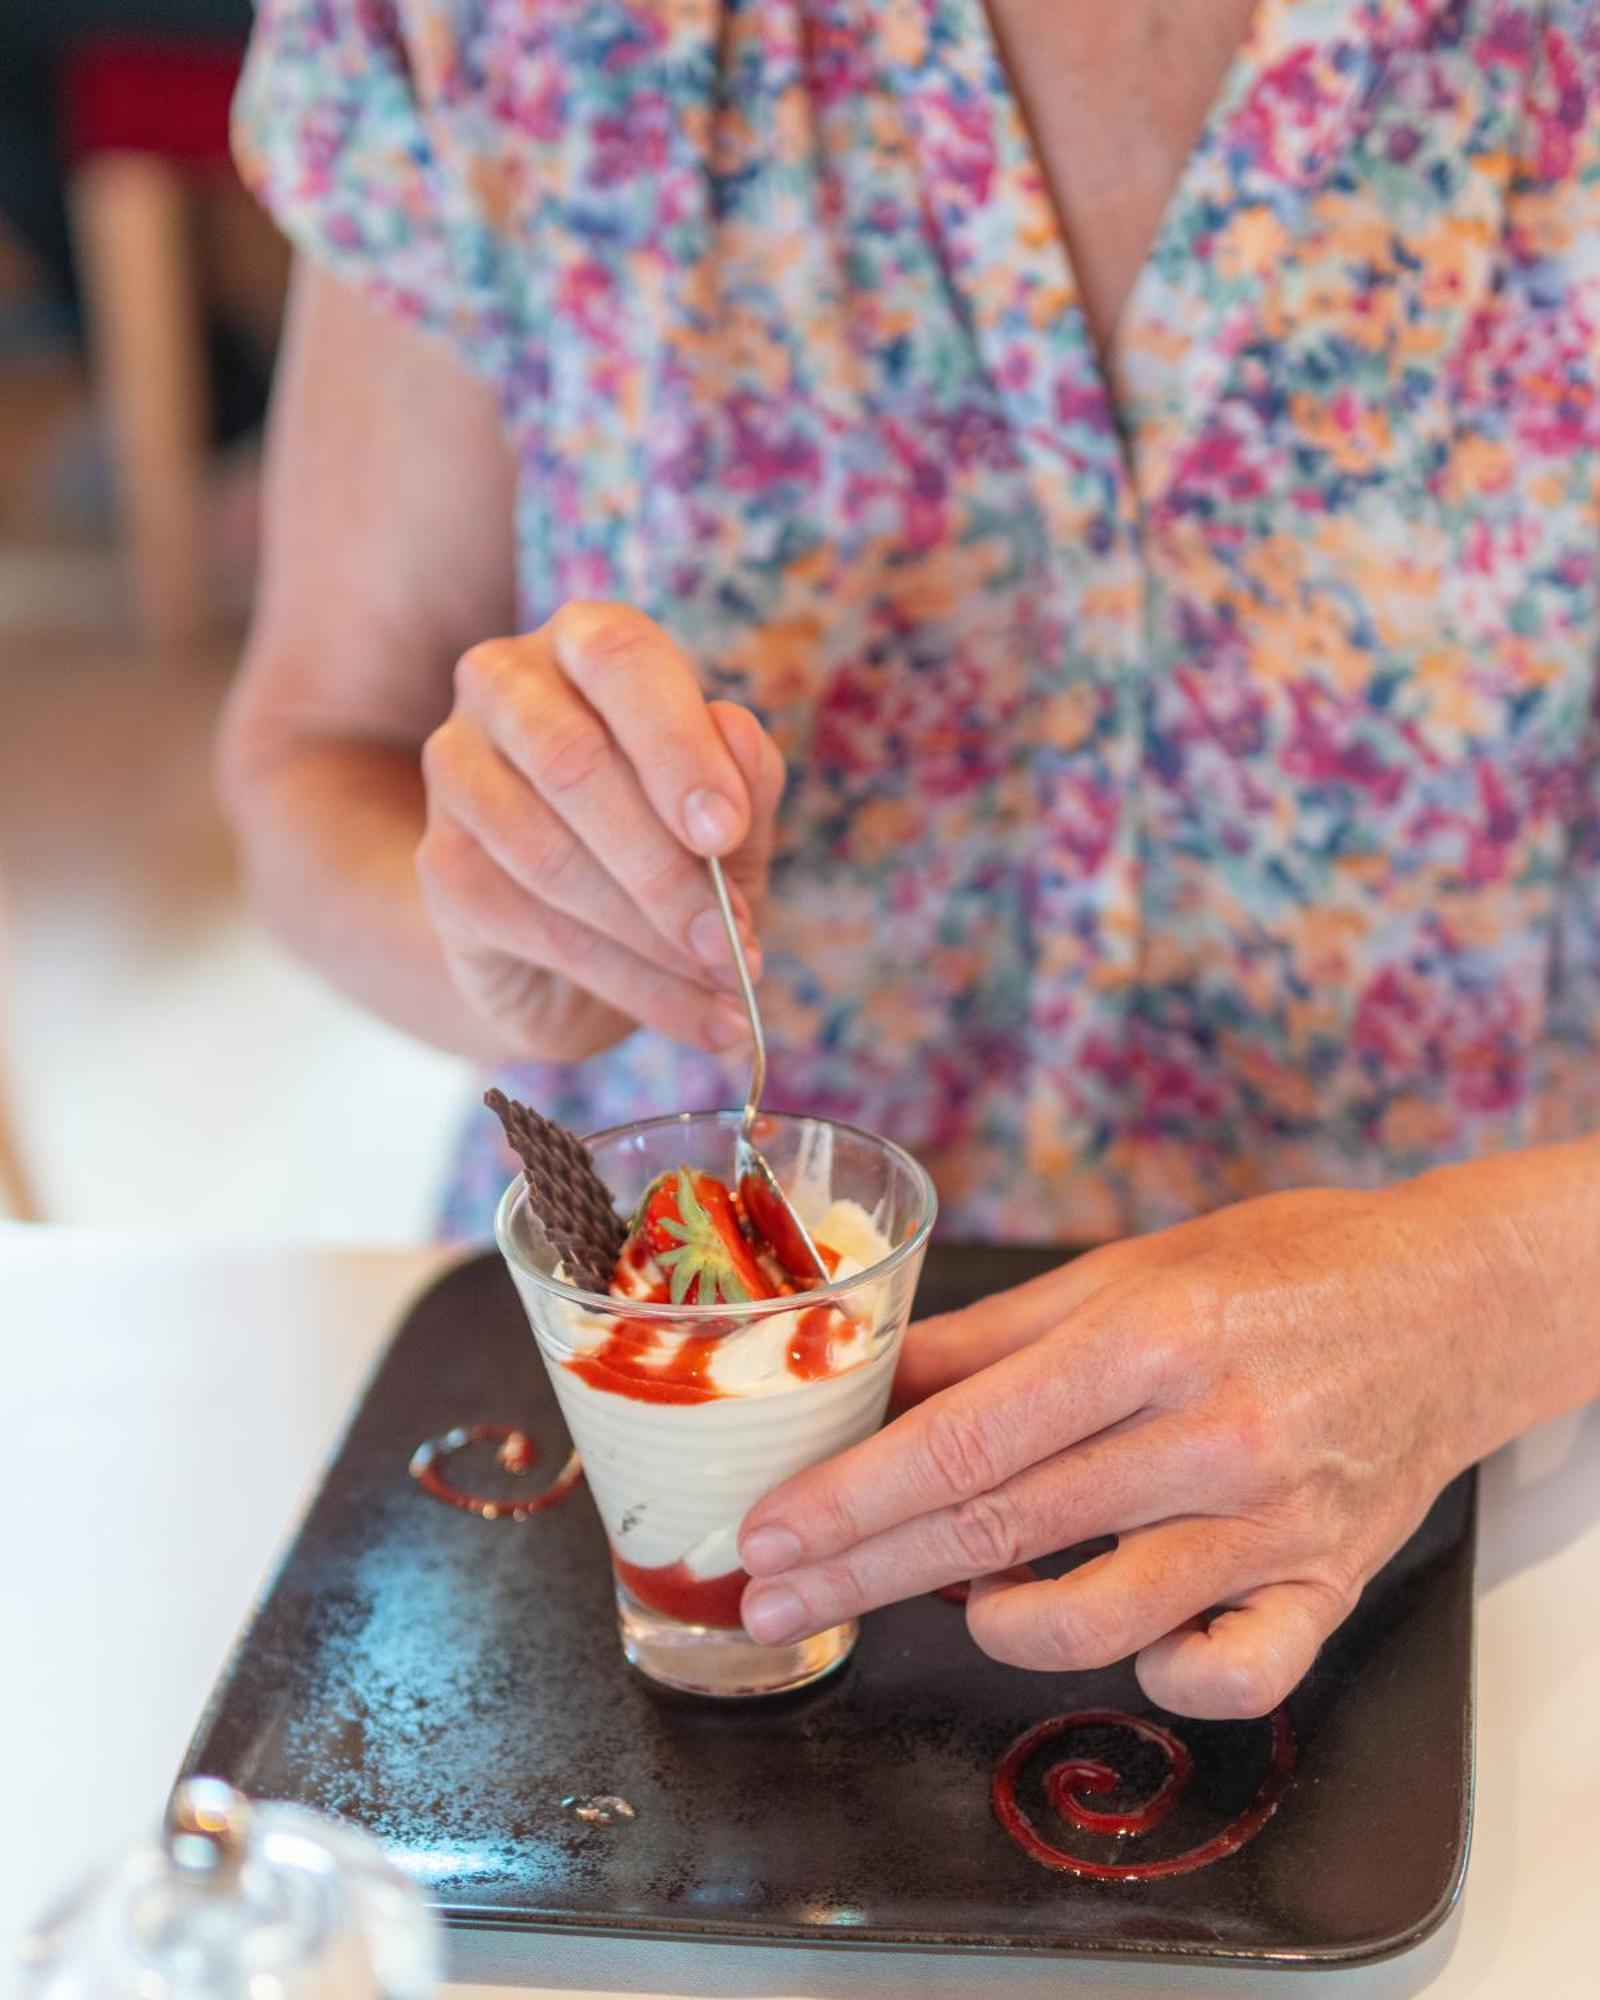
(234,1899)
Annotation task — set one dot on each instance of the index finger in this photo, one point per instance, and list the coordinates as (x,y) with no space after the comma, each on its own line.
(951,1346)
(964,1441)
(645,690)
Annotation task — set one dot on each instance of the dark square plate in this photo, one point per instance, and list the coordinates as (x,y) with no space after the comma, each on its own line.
(447,1682)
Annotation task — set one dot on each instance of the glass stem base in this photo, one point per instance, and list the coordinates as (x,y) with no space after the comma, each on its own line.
(724,1662)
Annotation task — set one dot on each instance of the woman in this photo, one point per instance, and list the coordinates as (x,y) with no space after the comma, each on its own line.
(1136,473)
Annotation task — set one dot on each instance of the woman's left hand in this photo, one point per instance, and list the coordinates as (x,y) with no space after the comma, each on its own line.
(1259,1405)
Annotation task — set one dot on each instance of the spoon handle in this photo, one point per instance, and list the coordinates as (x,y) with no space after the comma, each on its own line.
(747,993)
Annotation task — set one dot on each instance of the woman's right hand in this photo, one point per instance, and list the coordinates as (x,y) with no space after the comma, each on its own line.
(572,794)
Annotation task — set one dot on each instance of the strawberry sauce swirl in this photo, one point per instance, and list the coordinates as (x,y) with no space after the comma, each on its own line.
(516,1455)
(1069,1784)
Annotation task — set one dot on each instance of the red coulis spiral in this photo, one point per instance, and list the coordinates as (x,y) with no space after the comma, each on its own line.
(516,1455)
(1067,1783)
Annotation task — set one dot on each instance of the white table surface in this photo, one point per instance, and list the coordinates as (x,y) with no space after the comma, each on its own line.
(167,1405)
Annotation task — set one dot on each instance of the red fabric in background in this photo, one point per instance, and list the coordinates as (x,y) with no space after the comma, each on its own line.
(150,94)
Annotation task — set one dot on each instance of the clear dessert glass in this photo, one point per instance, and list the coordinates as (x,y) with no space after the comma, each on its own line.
(684,1416)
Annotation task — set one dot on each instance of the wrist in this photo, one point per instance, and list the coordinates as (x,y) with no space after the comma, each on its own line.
(1521,1232)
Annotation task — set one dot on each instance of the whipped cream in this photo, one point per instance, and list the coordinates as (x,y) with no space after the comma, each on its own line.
(673,1481)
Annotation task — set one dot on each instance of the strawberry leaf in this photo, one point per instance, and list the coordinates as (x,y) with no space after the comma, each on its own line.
(701,1270)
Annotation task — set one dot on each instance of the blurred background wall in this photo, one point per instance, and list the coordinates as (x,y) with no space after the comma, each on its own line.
(161,1062)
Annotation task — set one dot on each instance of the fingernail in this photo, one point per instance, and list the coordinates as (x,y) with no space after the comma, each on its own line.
(727,978)
(771,1616)
(708,940)
(726,1026)
(764,1550)
(724,975)
(710,821)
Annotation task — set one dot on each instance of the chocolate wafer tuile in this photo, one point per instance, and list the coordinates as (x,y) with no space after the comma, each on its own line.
(572,1203)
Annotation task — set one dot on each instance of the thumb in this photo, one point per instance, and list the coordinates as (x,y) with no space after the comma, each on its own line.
(1246,1659)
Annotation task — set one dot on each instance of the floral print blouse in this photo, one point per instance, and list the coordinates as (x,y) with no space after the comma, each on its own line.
(1196,760)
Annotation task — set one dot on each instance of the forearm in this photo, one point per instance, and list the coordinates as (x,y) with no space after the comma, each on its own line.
(1536,1241)
(328,830)
(374,581)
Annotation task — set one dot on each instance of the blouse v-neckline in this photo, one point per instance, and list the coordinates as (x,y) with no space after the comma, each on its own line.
(1232,80)
(1299,70)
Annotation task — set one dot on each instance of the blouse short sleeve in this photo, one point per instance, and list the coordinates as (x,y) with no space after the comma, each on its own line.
(365,174)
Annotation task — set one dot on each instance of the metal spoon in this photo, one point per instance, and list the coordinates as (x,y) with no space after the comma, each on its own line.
(768,1207)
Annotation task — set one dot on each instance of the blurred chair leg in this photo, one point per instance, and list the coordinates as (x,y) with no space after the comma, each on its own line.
(16,1190)
(16,1186)
(131,221)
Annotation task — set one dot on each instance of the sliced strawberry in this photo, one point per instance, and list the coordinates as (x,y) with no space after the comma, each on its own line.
(745,1265)
(688,1226)
(655,1211)
(772,1226)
